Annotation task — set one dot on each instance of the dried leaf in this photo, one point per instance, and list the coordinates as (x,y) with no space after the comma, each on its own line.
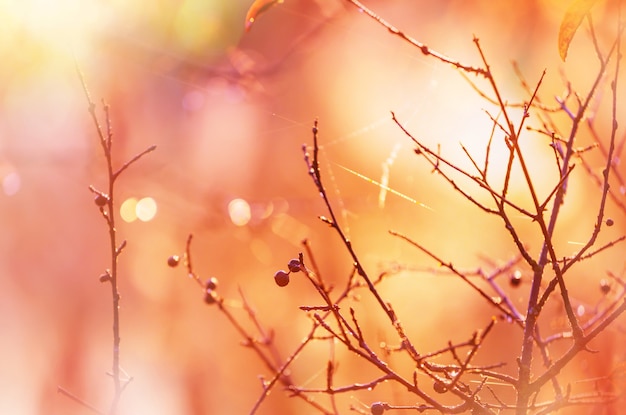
(258,7)
(571,21)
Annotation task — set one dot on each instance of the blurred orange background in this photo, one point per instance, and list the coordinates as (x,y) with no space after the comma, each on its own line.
(229,112)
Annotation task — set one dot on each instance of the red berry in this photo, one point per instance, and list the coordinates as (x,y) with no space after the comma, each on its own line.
(101,200)
(440,387)
(610,222)
(211,283)
(294,265)
(281,278)
(377,408)
(173,261)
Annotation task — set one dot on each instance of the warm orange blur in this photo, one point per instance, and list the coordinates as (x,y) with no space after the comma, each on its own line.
(229,113)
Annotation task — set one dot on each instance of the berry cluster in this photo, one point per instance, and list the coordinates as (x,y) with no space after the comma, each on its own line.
(281,277)
(210,296)
(210,286)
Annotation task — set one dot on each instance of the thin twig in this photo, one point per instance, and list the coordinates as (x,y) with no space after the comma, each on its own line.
(422,47)
(78,400)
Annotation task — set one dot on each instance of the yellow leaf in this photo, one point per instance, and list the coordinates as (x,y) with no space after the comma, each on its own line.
(571,21)
(258,7)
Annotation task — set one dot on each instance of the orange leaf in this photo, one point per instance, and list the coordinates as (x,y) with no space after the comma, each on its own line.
(571,21)
(258,7)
